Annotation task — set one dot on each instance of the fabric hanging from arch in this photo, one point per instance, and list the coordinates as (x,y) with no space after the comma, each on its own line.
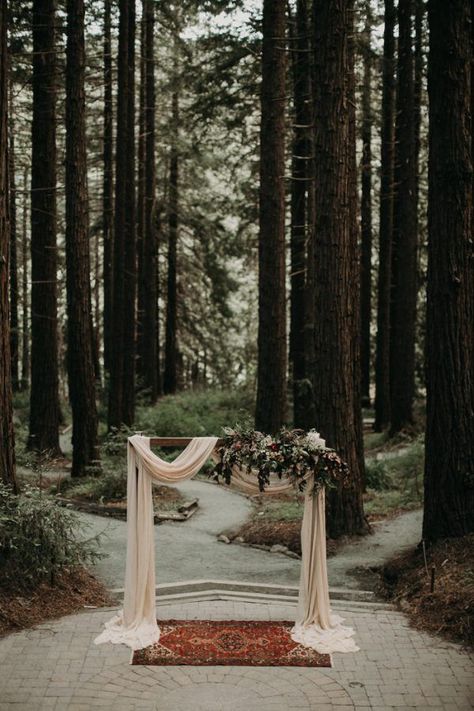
(136,625)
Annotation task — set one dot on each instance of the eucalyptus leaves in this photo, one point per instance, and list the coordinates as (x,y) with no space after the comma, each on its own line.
(292,453)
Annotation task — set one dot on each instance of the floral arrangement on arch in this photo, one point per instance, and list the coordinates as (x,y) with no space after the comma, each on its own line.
(292,453)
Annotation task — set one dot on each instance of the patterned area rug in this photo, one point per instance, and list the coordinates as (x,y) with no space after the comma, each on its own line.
(206,643)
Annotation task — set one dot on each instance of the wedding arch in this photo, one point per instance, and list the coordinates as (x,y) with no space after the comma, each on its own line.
(136,624)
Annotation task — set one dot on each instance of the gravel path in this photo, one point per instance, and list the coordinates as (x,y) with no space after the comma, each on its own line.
(190,550)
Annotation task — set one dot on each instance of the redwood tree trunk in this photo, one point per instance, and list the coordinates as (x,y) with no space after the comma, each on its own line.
(44,397)
(150,244)
(336,268)
(107,197)
(405,238)
(15,370)
(366,213)
(130,272)
(141,204)
(25,336)
(382,357)
(80,357)
(301,175)
(7,437)
(170,375)
(116,392)
(270,412)
(449,468)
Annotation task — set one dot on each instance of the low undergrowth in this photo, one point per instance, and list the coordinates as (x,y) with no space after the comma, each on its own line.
(448,610)
(111,488)
(39,540)
(43,559)
(395,483)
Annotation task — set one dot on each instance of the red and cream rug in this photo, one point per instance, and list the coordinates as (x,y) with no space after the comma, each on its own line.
(206,643)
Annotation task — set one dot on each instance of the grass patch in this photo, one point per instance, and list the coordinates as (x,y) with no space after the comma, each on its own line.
(449,609)
(276,520)
(395,483)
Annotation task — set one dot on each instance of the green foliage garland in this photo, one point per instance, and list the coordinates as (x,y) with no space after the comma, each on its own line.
(292,453)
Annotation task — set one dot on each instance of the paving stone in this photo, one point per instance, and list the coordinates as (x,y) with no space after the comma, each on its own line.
(57,666)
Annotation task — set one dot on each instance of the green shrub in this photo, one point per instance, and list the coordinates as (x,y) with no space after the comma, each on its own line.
(396,482)
(38,539)
(115,442)
(108,486)
(376,476)
(196,413)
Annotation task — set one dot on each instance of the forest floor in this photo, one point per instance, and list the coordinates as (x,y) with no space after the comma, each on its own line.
(437,593)
(72,591)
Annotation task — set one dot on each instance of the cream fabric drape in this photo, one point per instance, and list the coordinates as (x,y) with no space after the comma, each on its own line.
(136,624)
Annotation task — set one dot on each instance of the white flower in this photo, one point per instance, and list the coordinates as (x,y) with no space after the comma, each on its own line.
(313,440)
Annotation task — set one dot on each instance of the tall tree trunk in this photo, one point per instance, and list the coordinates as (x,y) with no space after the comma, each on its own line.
(301,175)
(418,87)
(80,357)
(355,249)
(382,357)
(130,274)
(97,309)
(25,335)
(405,238)
(449,468)
(15,370)
(107,186)
(7,436)
(366,212)
(170,376)
(270,413)
(150,244)
(116,408)
(336,268)
(141,207)
(44,396)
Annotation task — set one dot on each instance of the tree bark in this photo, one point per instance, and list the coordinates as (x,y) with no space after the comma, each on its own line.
(449,467)
(107,187)
(150,244)
(270,412)
(80,356)
(418,88)
(15,370)
(336,267)
(130,273)
(301,175)
(7,436)
(141,208)
(170,376)
(366,213)
(405,238)
(382,356)
(116,342)
(25,335)
(44,397)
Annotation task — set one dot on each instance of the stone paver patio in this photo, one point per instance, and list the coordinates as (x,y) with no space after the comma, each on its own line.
(57,666)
